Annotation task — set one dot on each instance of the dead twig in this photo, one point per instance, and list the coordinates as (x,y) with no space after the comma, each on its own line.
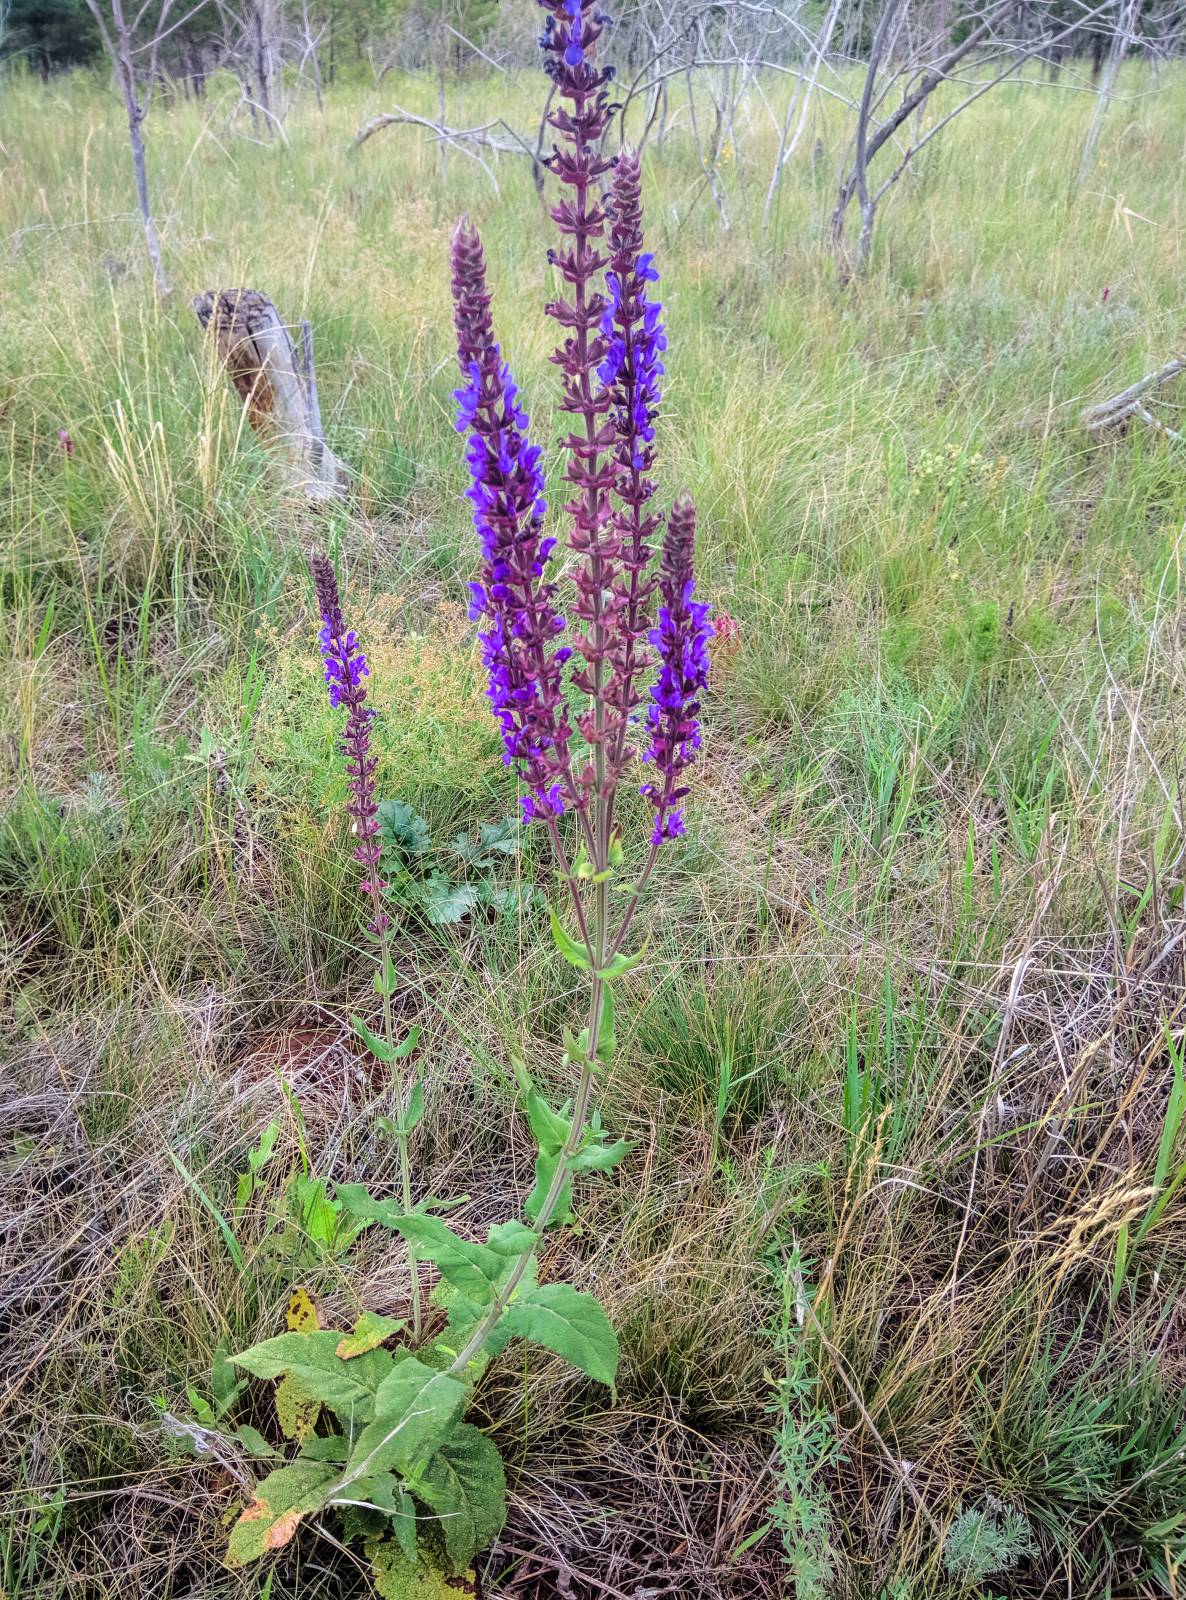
(1129,402)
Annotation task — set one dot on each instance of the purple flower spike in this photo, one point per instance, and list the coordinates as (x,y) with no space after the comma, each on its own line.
(681,640)
(514,599)
(632,329)
(345,668)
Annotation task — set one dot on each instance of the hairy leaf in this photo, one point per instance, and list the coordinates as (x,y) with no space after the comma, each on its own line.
(465,1487)
(475,1269)
(297,1410)
(570,1323)
(313,1360)
(401,829)
(281,1500)
(398,1575)
(413,1409)
(370,1331)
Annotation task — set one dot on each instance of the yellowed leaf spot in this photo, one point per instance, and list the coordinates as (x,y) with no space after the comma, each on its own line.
(282,1530)
(302,1313)
(256,1510)
(369,1333)
(296,1409)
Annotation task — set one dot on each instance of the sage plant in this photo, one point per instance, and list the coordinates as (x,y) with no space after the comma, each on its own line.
(571,765)
(590,689)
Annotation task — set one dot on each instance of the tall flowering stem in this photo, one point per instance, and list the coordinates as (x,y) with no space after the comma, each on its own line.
(345,669)
(633,329)
(681,643)
(572,32)
(515,600)
(611,360)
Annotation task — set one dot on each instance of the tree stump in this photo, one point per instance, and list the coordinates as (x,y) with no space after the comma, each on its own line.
(276,383)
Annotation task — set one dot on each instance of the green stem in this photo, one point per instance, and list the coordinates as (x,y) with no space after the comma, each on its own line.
(568,1150)
(401,1137)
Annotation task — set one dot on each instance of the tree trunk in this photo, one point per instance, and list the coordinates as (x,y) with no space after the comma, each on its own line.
(126,74)
(278,388)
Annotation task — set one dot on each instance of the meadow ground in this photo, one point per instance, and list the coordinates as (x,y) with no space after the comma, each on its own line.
(897,1260)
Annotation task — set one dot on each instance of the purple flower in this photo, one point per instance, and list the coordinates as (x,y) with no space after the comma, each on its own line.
(66,442)
(633,332)
(514,598)
(577,160)
(681,640)
(345,668)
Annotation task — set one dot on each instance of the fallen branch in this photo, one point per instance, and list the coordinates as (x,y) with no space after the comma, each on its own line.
(278,388)
(460,139)
(1128,403)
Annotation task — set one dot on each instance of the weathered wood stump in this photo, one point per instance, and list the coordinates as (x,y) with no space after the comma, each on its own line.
(276,383)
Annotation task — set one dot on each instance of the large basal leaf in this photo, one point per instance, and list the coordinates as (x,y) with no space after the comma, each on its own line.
(312,1359)
(400,1576)
(281,1500)
(413,1411)
(445,902)
(465,1487)
(297,1410)
(570,1323)
(401,829)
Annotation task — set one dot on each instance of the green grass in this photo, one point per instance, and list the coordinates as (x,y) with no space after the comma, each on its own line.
(897,1259)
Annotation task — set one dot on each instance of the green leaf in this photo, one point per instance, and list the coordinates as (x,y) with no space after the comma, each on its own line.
(407,1044)
(254,1443)
(507,897)
(224,1385)
(511,1238)
(414,1115)
(599,1157)
(502,837)
(545,1170)
(398,1575)
(473,1268)
(620,964)
(446,903)
(370,1331)
(572,1324)
(567,945)
(550,1128)
(413,1409)
(315,1213)
(357,1199)
(607,1039)
(464,1484)
(281,1500)
(385,977)
(330,1447)
(388,1054)
(313,1360)
(401,829)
